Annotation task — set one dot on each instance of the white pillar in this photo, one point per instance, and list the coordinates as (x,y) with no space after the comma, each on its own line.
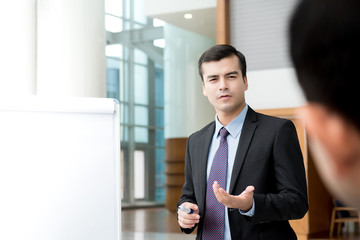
(186,109)
(17,47)
(71,48)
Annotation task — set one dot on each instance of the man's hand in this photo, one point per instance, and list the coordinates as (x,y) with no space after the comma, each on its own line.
(244,201)
(187,220)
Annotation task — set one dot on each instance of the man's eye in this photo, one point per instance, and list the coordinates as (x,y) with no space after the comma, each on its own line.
(212,79)
(232,76)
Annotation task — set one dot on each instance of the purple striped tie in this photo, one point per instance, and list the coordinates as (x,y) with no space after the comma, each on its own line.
(214,221)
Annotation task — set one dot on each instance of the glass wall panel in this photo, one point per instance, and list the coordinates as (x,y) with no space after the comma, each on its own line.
(139,14)
(159,43)
(115,50)
(122,82)
(113,77)
(140,57)
(124,113)
(160,175)
(137,81)
(141,115)
(114,7)
(124,96)
(158,23)
(124,173)
(126,25)
(159,117)
(141,84)
(160,141)
(138,26)
(124,130)
(159,87)
(112,81)
(113,24)
(127,8)
(139,174)
(141,135)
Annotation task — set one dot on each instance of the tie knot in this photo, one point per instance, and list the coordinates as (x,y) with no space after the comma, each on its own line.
(223,133)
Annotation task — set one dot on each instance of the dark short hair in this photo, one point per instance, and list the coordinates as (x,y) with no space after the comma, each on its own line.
(325,49)
(218,52)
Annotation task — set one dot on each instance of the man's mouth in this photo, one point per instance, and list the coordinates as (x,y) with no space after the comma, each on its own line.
(225,96)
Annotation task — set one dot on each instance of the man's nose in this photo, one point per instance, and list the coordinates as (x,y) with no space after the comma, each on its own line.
(223,84)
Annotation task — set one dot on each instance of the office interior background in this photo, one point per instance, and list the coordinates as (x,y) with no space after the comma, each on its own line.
(151,59)
(144,53)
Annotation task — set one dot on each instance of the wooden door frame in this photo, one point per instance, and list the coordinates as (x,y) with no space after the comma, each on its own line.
(223,22)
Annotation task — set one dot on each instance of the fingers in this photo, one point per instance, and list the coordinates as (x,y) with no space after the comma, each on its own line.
(221,195)
(187,223)
(242,201)
(192,206)
(187,220)
(248,192)
(250,189)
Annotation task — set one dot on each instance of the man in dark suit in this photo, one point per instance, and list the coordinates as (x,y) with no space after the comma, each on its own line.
(265,183)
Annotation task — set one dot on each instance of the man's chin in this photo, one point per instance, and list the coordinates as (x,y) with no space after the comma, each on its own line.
(349,194)
(344,189)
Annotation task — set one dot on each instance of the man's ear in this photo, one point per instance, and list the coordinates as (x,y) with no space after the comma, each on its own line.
(332,131)
(246,83)
(315,117)
(204,90)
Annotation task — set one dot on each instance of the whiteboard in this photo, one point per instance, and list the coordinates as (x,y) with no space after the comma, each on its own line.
(59,169)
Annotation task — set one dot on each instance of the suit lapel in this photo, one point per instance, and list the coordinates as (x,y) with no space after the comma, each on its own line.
(247,134)
(205,146)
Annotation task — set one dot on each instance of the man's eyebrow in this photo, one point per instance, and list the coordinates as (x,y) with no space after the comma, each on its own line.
(227,74)
(212,76)
(230,73)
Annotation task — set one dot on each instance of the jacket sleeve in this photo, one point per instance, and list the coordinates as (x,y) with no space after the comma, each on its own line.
(290,200)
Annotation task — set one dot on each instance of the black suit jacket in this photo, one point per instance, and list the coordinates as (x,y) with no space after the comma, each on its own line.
(269,158)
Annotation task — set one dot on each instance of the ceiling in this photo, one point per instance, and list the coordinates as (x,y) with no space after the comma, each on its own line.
(203,21)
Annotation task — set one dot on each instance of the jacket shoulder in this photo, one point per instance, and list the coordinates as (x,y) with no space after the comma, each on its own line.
(203,131)
(267,123)
(272,120)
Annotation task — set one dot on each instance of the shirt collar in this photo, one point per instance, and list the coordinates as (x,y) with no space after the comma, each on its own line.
(235,126)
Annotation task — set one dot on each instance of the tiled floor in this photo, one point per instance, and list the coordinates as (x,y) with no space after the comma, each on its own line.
(155,236)
(160,224)
(151,224)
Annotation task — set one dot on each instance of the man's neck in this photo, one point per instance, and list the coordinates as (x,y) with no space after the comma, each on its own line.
(226,117)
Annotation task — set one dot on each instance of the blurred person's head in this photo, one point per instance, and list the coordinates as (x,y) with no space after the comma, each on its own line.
(325,49)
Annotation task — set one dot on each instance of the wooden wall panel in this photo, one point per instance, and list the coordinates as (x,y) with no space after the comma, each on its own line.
(175,149)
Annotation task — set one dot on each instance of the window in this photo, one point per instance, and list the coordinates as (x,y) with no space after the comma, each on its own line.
(135,78)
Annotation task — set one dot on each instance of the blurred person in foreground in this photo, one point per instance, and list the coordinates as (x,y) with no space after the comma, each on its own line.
(325,49)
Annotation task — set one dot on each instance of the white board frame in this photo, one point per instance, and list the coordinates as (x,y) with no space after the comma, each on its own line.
(60,169)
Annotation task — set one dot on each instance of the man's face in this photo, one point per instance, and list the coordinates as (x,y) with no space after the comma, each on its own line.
(224,85)
(335,146)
